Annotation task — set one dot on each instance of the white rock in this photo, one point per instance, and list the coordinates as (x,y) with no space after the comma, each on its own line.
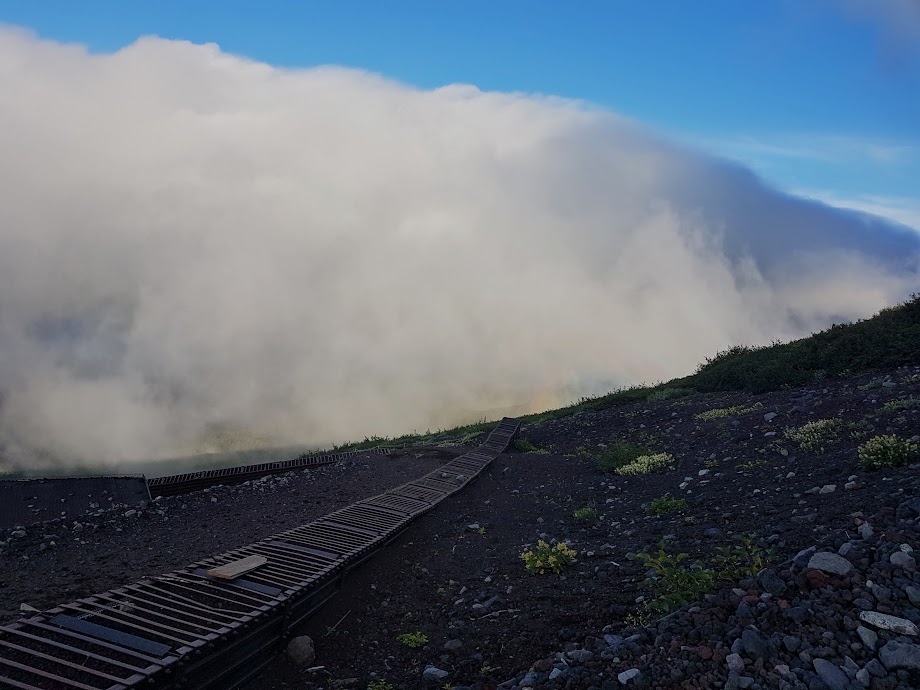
(830,563)
(901,626)
(627,675)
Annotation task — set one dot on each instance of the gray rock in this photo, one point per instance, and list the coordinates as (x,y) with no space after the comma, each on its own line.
(833,676)
(769,417)
(902,626)
(828,489)
(18,533)
(734,663)
(580,655)
(902,560)
(910,508)
(866,531)
(301,651)
(754,645)
(868,637)
(830,563)
(434,673)
(802,557)
(555,673)
(530,678)
(130,513)
(913,595)
(898,655)
(863,677)
(452,645)
(627,675)
(874,666)
(771,582)
(792,643)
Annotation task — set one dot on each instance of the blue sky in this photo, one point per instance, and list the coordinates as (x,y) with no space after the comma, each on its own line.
(819,97)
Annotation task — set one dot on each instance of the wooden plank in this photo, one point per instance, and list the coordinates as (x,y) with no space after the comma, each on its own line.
(234,569)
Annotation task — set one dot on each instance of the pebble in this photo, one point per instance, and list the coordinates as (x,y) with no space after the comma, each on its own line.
(899,655)
(833,676)
(734,662)
(902,560)
(300,651)
(627,675)
(902,626)
(830,563)
(434,673)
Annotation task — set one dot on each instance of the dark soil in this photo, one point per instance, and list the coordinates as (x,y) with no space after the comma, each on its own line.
(456,575)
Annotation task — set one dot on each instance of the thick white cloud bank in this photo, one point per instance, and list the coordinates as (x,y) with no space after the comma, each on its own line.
(190,240)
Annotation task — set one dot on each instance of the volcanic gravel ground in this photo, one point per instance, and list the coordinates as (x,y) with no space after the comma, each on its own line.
(56,562)
(456,574)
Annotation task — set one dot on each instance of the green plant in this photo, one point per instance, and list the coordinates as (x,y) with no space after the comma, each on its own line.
(664,505)
(673,581)
(522,445)
(817,435)
(482,531)
(618,454)
(743,559)
(585,513)
(720,412)
(645,464)
(548,558)
(898,405)
(380,685)
(485,669)
(886,451)
(413,639)
(859,429)
(751,465)
(669,393)
(711,464)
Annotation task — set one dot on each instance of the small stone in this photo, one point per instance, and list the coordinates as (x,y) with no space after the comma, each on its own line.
(902,560)
(866,531)
(301,651)
(913,595)
(130,513)
(627,675)
(452,645)
(901,626)
(898,655)
(18,533)
(580,655)
(734,663)
(830,563)
(26,608)
(769,417)
(828,489)
(771,582)
(832,675)
(755,647)
(434,673)
(868,637)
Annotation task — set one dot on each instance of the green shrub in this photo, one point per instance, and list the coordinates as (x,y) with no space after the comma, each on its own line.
(646,464)
(817,435)
(720,412)
(413,639)
(886,451)
(752,465)
(545,558)
(618,455)
(669,393)
(899,405)
(586,513)
(380,685)
(742,560)
(673,581)
(664,505)
(522,445)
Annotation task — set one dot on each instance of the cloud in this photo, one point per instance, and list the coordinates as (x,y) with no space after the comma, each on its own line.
(193,241)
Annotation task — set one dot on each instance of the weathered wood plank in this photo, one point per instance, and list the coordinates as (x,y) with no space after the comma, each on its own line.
(234,569)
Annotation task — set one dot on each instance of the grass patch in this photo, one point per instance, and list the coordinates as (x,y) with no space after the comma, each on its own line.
(887,451)
(618,455)
(646,464)
(586,513)
(414,639)
(752,465)
(664,505)
(721,412)
(899,405)
(522,445)
(817,435)
(669,393)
